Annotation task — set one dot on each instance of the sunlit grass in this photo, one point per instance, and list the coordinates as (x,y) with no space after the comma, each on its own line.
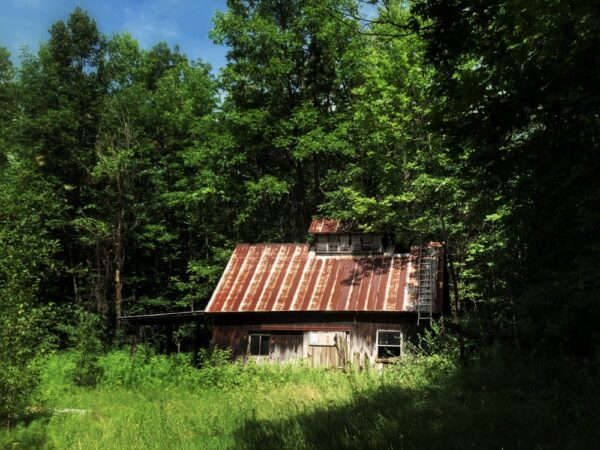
(155,402)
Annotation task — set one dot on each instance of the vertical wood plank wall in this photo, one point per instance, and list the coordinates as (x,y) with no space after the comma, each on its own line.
(358,346)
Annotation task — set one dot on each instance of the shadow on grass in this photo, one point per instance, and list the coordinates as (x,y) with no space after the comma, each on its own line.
(30,433)
(452,415)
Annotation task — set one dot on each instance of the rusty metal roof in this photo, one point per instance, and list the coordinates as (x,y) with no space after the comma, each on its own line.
(291,277)
(324,226)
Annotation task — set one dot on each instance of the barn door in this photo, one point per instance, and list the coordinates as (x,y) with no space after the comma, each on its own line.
(327,348)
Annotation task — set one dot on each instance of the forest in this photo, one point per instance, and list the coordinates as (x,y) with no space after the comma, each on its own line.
(127,176)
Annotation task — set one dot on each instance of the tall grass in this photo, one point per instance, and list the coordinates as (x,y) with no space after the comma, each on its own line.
(428,402)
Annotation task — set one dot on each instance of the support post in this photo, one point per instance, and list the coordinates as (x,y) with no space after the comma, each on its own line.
(169,333)
(196,342)
(134,338)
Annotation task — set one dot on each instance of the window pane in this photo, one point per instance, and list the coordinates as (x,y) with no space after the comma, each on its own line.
(388,352)
(321,243)
(344,243)
(264,345)
(254,344)
(376,243)
(389,337)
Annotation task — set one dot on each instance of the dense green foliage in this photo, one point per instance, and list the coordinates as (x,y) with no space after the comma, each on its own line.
(127,175)
(519,114)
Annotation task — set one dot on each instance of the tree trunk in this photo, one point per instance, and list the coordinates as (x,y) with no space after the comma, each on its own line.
(119,259)
(457,302)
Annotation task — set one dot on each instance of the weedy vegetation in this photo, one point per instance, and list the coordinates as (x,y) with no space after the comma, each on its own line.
(151,401)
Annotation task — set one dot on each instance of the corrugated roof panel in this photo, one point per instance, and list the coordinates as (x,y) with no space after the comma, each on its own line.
(347,276)
(366,281)
(378,275)
(334,292)
(331,226)
(259,280)
(244,277)
(302,288)
(288,277)
(401,287)
(229,276)
(328,285)
(372,283)
(355,288)
(319,290)
(266,298)
(273,287)
(312,282)
(336,288)
(292,280)
(394,283)
(383,282)
(405,290)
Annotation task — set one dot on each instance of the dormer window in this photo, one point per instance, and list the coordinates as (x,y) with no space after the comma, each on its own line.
(366,243)
(333,243)
(345,244)
(333,236)
(348,243)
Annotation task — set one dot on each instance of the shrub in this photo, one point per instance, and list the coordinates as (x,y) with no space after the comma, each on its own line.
(147,370)
(88,349)
(20,342)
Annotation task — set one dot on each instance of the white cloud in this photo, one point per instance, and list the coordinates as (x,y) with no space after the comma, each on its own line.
(183,22)
(148,24)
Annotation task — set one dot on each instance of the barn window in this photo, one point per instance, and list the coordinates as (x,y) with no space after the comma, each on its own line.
(345,243)
(321,243)
(367,243)
(259,344)
(334,243)
(389,343)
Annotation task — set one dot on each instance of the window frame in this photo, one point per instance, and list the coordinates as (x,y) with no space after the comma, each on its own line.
(367,244)
(345,243)
(400,346)
(322,243)
(333,243)
(261,337)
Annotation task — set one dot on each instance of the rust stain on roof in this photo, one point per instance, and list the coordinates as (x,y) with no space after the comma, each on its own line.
(290,277)
(326,226)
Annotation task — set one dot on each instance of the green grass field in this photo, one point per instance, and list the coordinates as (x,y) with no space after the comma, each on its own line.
(155,402)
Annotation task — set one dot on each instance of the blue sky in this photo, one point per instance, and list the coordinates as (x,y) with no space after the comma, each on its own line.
(183,22)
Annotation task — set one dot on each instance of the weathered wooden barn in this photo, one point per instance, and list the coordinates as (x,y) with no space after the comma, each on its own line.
(348,298)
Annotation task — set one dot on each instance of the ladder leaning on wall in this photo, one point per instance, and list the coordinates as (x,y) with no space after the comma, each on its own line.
(426,288)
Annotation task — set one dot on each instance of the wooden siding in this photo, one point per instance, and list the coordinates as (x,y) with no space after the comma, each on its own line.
(286,346)
(332,348)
